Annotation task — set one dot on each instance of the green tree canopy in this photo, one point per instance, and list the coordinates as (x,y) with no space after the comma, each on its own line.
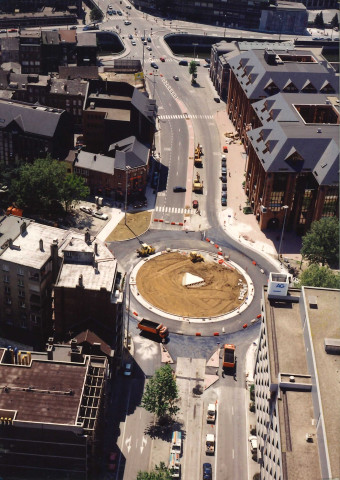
(192,70)
(96,14)
(161,393)
(335,21)
(46,186)
(160,472)
(321,242)
(316,276)
(318,21)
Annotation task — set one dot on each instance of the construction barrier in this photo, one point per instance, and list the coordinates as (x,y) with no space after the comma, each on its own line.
(161,220)
(259,315)
(173,223)
(207,240)
(198,334)
(219,253)
(221,261)
(254,263)
(135,313)
(245,325)
(217,246)
(155,219)
(216,334)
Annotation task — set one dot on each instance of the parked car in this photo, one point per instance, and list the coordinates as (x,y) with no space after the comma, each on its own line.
(224,187)
(223,161)
(179,189)
(175,77)
(109,12)
(85,209)
(217,99)
(119,13)
(130,36)
(133,43)
(128,370)
(149,39)
(224,199)
(143,39)
(149,48)
(127,22)
(128,7)
(253,443)
(112,461)
(183,62)
(74,27)
(162,59)
(207,471)
(12,30)
(145,42)
(195,204)
(224,170)
(224,178)
(154,65)
(102,216)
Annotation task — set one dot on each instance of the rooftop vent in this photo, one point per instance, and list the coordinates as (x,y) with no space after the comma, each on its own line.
(292,379)
(313,301)
(319,130)
(309,437)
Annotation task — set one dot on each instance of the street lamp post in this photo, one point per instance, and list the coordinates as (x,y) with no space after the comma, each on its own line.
(280,31)
(127,168)
(283,227)
(225,25)
(195,45)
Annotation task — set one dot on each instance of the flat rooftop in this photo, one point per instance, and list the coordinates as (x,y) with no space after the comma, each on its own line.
(300,459)
(286,345)
(44,391)
(325,323)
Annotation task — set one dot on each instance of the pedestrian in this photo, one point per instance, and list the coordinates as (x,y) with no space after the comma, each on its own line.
(217,372)
(223,374)
(229,174)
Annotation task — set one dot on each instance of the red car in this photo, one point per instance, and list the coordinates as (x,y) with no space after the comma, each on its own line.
(225,149)
(12,30)
(112,461)
(162,59)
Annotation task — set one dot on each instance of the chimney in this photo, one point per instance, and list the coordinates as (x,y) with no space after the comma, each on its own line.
(96,248)
(50,340)
(55,260)
(49,349)
(80,281)
(94,158)
(74,344)
(41,245)
(96,267)
(23,228)
(87,236)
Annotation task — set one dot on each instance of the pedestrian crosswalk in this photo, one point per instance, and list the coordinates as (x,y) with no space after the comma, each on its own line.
(166,84)
(185,116)
(187,211)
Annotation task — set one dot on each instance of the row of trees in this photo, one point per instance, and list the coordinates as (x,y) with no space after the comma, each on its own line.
(319,21)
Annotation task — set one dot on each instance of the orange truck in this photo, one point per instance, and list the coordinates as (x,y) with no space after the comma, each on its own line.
(229,356)
(153,327)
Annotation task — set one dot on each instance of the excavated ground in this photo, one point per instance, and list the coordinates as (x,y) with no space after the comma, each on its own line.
(159,281)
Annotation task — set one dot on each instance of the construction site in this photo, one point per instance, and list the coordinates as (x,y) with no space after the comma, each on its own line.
(191,284)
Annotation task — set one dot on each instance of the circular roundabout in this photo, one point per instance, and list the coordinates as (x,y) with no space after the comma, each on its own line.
(191,284)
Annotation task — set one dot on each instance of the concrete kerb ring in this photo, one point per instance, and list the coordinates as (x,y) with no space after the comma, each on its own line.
(233,313)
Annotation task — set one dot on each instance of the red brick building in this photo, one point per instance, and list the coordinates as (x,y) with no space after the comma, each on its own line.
(291,137)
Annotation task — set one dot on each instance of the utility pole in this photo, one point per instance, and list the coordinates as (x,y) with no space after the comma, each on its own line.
(127,168)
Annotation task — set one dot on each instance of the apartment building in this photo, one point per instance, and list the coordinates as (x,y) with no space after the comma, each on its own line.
(51,412)
(297,382)
(30,51)
(285,108)
(28,132)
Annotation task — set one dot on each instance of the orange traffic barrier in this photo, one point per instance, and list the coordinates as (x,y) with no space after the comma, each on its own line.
(221,261)
(161,220)
(245,325)
(219,253)
(259,315)
(135,313)
(254,263)
(207,240)
(216,334)
(198,334)
(217,246)
(181,223)
(155,219)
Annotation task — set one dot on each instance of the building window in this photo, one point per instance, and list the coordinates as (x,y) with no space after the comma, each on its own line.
(6,278)
(7,290)
(306,203)
(23,320)
(20,271)
(35,319)
(5,268)
(22,304)
(20,282)
(8,301)
(330,203)
(21,293)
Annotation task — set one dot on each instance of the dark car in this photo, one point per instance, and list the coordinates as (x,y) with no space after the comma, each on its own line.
(207,471)
(195,204)
(183,62)
(175,77)
(224,199)
(223,178)
(130,36)
(217,99)
(179,189)
(154,65)
(119,13)
(224,170)
(224,161)
(224,187)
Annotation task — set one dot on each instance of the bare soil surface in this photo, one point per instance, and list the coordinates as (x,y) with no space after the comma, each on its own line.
(136,224)
(159,281)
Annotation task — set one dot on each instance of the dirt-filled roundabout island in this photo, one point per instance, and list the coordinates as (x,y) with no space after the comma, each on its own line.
(175,284)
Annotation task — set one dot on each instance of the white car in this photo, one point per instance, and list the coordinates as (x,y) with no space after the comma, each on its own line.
(133,43)
(110,7)
(149,48)
(253,443)
(85,209)
(102,216)
(128,369)
(127,22)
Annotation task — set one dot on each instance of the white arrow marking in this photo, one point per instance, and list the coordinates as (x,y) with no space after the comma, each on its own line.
(128,444)
(144,442)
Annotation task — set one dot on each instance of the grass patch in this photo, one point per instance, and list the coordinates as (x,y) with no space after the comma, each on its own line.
(136,224)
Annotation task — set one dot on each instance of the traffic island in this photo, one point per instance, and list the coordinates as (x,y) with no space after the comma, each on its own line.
(136,224)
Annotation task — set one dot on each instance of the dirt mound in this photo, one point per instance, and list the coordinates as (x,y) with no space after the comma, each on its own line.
(159,281)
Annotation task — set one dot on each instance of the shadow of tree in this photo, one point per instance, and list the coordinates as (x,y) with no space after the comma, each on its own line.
(164,432)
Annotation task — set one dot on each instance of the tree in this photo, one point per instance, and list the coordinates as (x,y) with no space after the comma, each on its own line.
(318,21)
(316,276)
(321,243)
(193,70)
(335,21)
(161,472)
(46,186)
(161,393)
(96,15)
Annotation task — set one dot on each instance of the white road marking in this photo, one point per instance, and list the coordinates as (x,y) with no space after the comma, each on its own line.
(128,444)
(144,442)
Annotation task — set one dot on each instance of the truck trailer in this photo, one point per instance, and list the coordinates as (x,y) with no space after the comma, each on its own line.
(229,356)
(153,327)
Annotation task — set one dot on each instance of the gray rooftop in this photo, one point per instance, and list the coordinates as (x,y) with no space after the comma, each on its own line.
(90,72)
(72,87)
(9,43)
(86,39)
(131,153)
(255,74)
(33,119)
(50,38)
(285,133)
(145,105)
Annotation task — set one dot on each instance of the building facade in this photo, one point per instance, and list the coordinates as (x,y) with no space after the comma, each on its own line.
(290,172)
(294,383)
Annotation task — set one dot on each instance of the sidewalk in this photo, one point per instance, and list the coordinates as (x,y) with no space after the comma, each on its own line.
(245,228)
(253,466)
